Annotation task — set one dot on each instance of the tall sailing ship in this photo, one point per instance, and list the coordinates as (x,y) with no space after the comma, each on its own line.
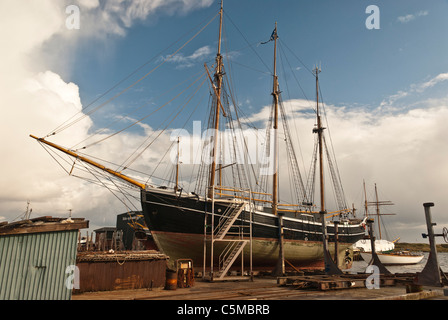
(182,223)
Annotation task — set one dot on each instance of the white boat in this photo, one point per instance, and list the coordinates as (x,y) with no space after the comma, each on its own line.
(384,248)
(381,245)
(395,258)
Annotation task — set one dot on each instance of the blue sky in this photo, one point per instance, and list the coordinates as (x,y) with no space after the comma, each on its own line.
(386,90)
(360,66)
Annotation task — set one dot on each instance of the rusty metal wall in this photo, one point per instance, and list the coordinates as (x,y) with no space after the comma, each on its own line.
(120,275)
(33,266)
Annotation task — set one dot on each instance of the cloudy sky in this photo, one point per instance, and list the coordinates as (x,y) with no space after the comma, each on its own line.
(385,91)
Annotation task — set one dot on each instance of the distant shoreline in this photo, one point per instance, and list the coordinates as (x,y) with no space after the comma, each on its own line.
(420,247)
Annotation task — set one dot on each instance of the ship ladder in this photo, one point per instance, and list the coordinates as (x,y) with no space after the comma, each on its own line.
(227,220)
(228,257)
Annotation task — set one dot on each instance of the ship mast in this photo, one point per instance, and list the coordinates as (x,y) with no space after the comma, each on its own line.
(275,94)
(280,268)
(377,205)
(218,80)
(319,130)
(378,211)
(365,200)
(176,187)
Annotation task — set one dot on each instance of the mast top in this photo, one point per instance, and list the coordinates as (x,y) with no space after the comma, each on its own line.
(317,70)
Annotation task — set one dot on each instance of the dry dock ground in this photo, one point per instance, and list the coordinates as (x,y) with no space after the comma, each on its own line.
(262,289)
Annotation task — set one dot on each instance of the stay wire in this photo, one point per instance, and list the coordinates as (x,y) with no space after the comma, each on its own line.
(62,128)
(292,52)
(172,144)
(141,119)
(127,116)
(140,153)
(127,77)
(110,190)
(242,35)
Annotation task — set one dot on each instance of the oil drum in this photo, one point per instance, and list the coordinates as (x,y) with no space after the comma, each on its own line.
(171,280)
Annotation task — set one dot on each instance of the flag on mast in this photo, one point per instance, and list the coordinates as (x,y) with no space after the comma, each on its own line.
(273,35)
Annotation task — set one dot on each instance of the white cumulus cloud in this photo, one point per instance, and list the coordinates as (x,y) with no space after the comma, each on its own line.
(36,98)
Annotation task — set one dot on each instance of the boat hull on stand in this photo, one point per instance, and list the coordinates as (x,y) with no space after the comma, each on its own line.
(177,224)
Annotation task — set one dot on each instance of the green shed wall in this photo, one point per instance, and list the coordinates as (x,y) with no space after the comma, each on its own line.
(33,266)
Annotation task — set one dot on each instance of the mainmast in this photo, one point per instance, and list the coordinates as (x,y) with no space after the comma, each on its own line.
(275,94)
(319,130)
(218,80)
(280,268)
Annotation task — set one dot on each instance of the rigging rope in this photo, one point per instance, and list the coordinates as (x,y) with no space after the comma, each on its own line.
(338,180)
(304,65)
(140,153)
(107,177)
(127,116)
(143,118)
(168,149)
(242,35)
(84,115)
(284,57)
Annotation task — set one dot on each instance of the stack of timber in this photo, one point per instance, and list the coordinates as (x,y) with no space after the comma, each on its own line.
(343,281)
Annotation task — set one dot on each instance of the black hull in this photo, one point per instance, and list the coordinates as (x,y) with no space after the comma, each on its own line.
(177,224)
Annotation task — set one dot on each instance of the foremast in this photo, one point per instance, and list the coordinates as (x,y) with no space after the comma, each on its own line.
(218,90)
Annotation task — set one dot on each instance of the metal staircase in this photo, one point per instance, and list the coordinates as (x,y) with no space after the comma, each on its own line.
(232,231)
(229,255)
(227,220)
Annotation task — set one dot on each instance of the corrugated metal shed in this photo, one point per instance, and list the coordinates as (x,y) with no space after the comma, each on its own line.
(34,256)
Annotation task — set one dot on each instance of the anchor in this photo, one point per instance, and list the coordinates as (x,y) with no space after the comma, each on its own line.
(432,275)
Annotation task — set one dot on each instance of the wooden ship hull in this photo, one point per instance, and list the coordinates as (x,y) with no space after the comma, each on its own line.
(177,224)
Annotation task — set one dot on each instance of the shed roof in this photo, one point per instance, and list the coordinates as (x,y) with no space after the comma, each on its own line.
(42,224)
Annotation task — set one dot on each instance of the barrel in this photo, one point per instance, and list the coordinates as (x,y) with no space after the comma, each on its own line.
(171,280)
